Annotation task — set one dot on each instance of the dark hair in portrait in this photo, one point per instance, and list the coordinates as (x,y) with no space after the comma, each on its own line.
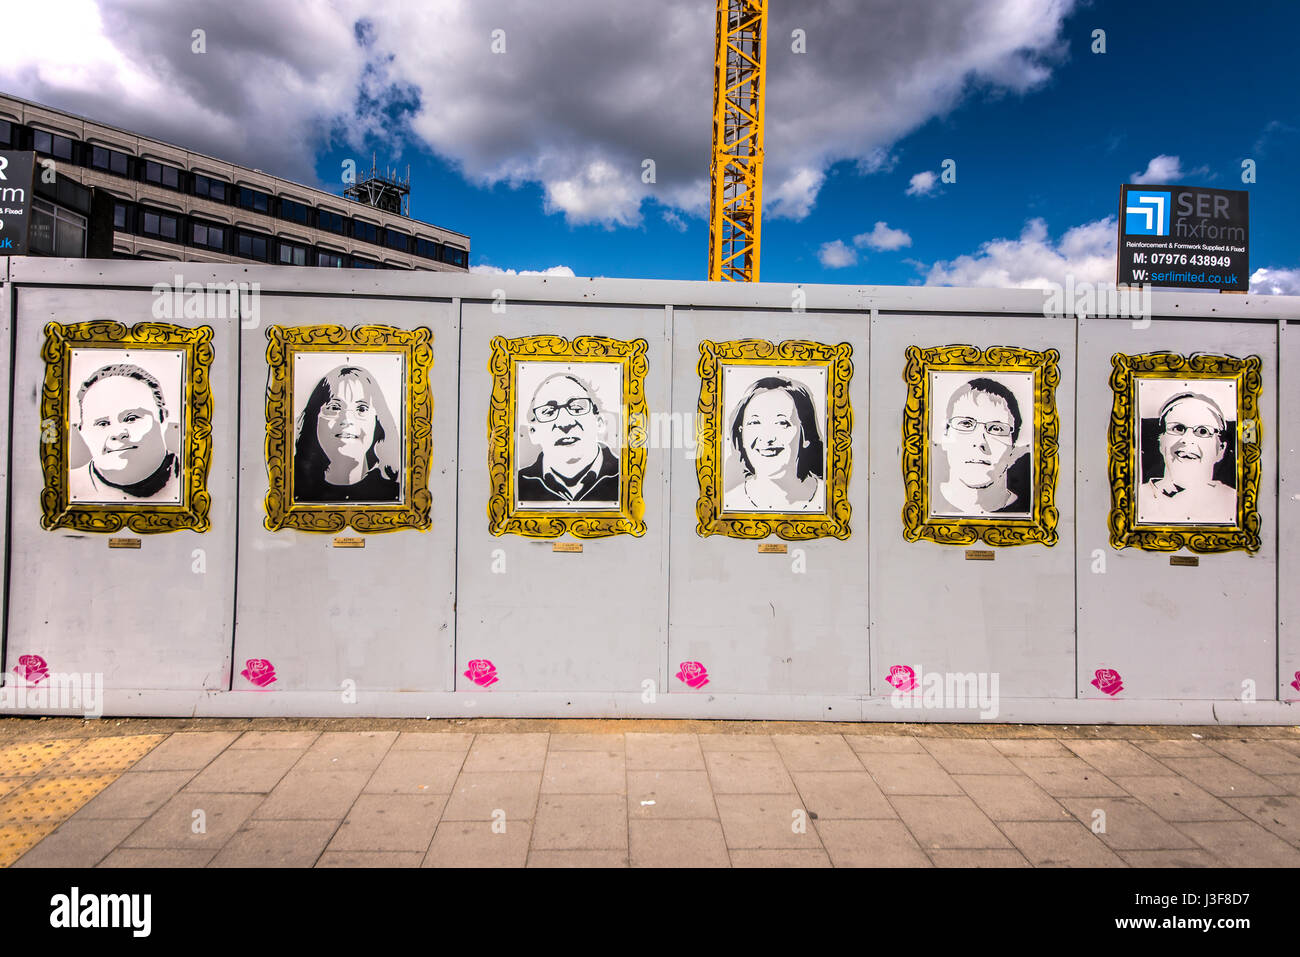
(130,371)
(1152,462)
(381,465)
(996,389)
(811,457)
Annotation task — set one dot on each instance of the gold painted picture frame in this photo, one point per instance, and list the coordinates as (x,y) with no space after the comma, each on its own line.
(505,514)
(714,518)
(918,522)
(1123,451)
(195,344)
(413,511)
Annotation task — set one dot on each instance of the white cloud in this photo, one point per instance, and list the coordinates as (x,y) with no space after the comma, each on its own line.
(1166,169)
(922,183)
(883,238)
(486,270)
(836,255)
(673,220)
(578,99)
(1033,261)
(1275,282)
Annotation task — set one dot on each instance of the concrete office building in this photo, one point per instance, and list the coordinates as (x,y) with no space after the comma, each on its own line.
(170,203)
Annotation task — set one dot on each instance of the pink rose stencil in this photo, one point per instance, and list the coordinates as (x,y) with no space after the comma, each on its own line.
(482,672)
(259,671)
(32,669)
(1108,681)
(694,674)
(902,677)
(1296,684)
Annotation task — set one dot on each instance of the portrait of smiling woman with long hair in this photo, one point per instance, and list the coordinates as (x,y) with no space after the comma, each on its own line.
(348,446)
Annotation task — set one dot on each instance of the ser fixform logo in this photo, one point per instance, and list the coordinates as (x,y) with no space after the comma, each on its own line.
(1146,213)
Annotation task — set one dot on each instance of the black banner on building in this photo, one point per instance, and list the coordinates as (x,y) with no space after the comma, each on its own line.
(16,171)
(1184,236)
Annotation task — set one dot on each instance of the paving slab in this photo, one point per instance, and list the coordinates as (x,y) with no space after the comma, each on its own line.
(947,822)
(852,795)
(194,820)
(982,857)
(568,741)
(347,751)
(1068,777)
(415,771)
(507,752)
(736,742)
(370,859)
(292,740)
(156,857)
(1223,778)
(663,752)
(480,796)
(433,741)
(475,844)
(1030,747)
(680,843)
(967,756)
(1060,844)
(1242,844)
(584,859)
(390,822)
(816,752)
(871,844)
(313,795)
(1112,757)
(1006,797)
(1177,799)
(800,857)
(1179,858)
(1129,825)
(883,744)
(1175,748)
(748,772)
(581,822)
(136,794)
(909,774)
(1280,815)
(78,844)
(766,821)
(584,772)
(276,844)
(186,751)
(675,795)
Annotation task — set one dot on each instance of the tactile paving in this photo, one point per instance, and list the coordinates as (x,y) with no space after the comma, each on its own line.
(24,760)
(101,755)
(17,840)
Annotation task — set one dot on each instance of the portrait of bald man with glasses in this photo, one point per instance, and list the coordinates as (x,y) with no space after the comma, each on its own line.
(575,464)
(1193,439)
(987,466)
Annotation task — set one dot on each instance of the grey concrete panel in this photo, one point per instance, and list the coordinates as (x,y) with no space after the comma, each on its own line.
(1173,631)
(1288,518)
(559,621)
(381,616)
(157,617)
(768,623)
(932,608)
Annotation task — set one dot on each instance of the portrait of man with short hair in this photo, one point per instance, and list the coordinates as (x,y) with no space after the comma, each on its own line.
(1188,472)
(982,436)
(567,423)
(126,426)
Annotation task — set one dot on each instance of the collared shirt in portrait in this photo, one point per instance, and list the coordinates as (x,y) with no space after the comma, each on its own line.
(599,483)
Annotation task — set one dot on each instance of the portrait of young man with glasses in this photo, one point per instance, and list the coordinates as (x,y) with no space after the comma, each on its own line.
(574,464)
(984,469)
(1193,440)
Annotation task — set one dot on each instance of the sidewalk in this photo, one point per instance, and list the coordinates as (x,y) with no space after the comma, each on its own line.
(846,795)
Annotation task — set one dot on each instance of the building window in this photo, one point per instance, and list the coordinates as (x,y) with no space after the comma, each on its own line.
(6,133)
(209,188)
(110,160)
(291,254)
(454,256)
(426,248)
(209,237)
(162,175)
(333,222)
(56,231)
(295,211)
(159,225)
(367,232)
(360,263)
(252,199)
(52,143)
(122,217)
(333,260)
(395,240)
(252,246)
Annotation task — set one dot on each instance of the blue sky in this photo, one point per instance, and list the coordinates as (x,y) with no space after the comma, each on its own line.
(535,149)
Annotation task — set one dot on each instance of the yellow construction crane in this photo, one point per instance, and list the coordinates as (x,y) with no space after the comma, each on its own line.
(736,178)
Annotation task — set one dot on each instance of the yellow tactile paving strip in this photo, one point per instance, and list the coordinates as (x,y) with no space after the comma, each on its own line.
(43,783)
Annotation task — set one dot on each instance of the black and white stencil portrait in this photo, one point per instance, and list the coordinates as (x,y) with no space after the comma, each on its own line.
(774,446)
(126,419)
(982,431)
(348,443)
(568,432)
(1187,455)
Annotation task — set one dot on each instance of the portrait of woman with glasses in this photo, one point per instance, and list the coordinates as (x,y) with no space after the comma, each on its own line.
(1188,455)
(348,446)
(567,426)
(982,466)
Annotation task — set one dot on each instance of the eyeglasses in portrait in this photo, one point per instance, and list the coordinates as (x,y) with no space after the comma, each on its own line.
(348,439)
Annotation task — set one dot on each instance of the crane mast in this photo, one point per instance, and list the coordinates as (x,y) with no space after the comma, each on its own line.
(736,174)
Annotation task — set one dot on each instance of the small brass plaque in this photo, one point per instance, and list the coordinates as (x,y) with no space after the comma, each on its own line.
(124,543)
(770,548)
(1190,560)
(566,547)
(349,541)
(980,555)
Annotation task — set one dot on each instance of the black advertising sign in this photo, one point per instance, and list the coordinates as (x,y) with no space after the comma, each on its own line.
(16,171)
(1184,236)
